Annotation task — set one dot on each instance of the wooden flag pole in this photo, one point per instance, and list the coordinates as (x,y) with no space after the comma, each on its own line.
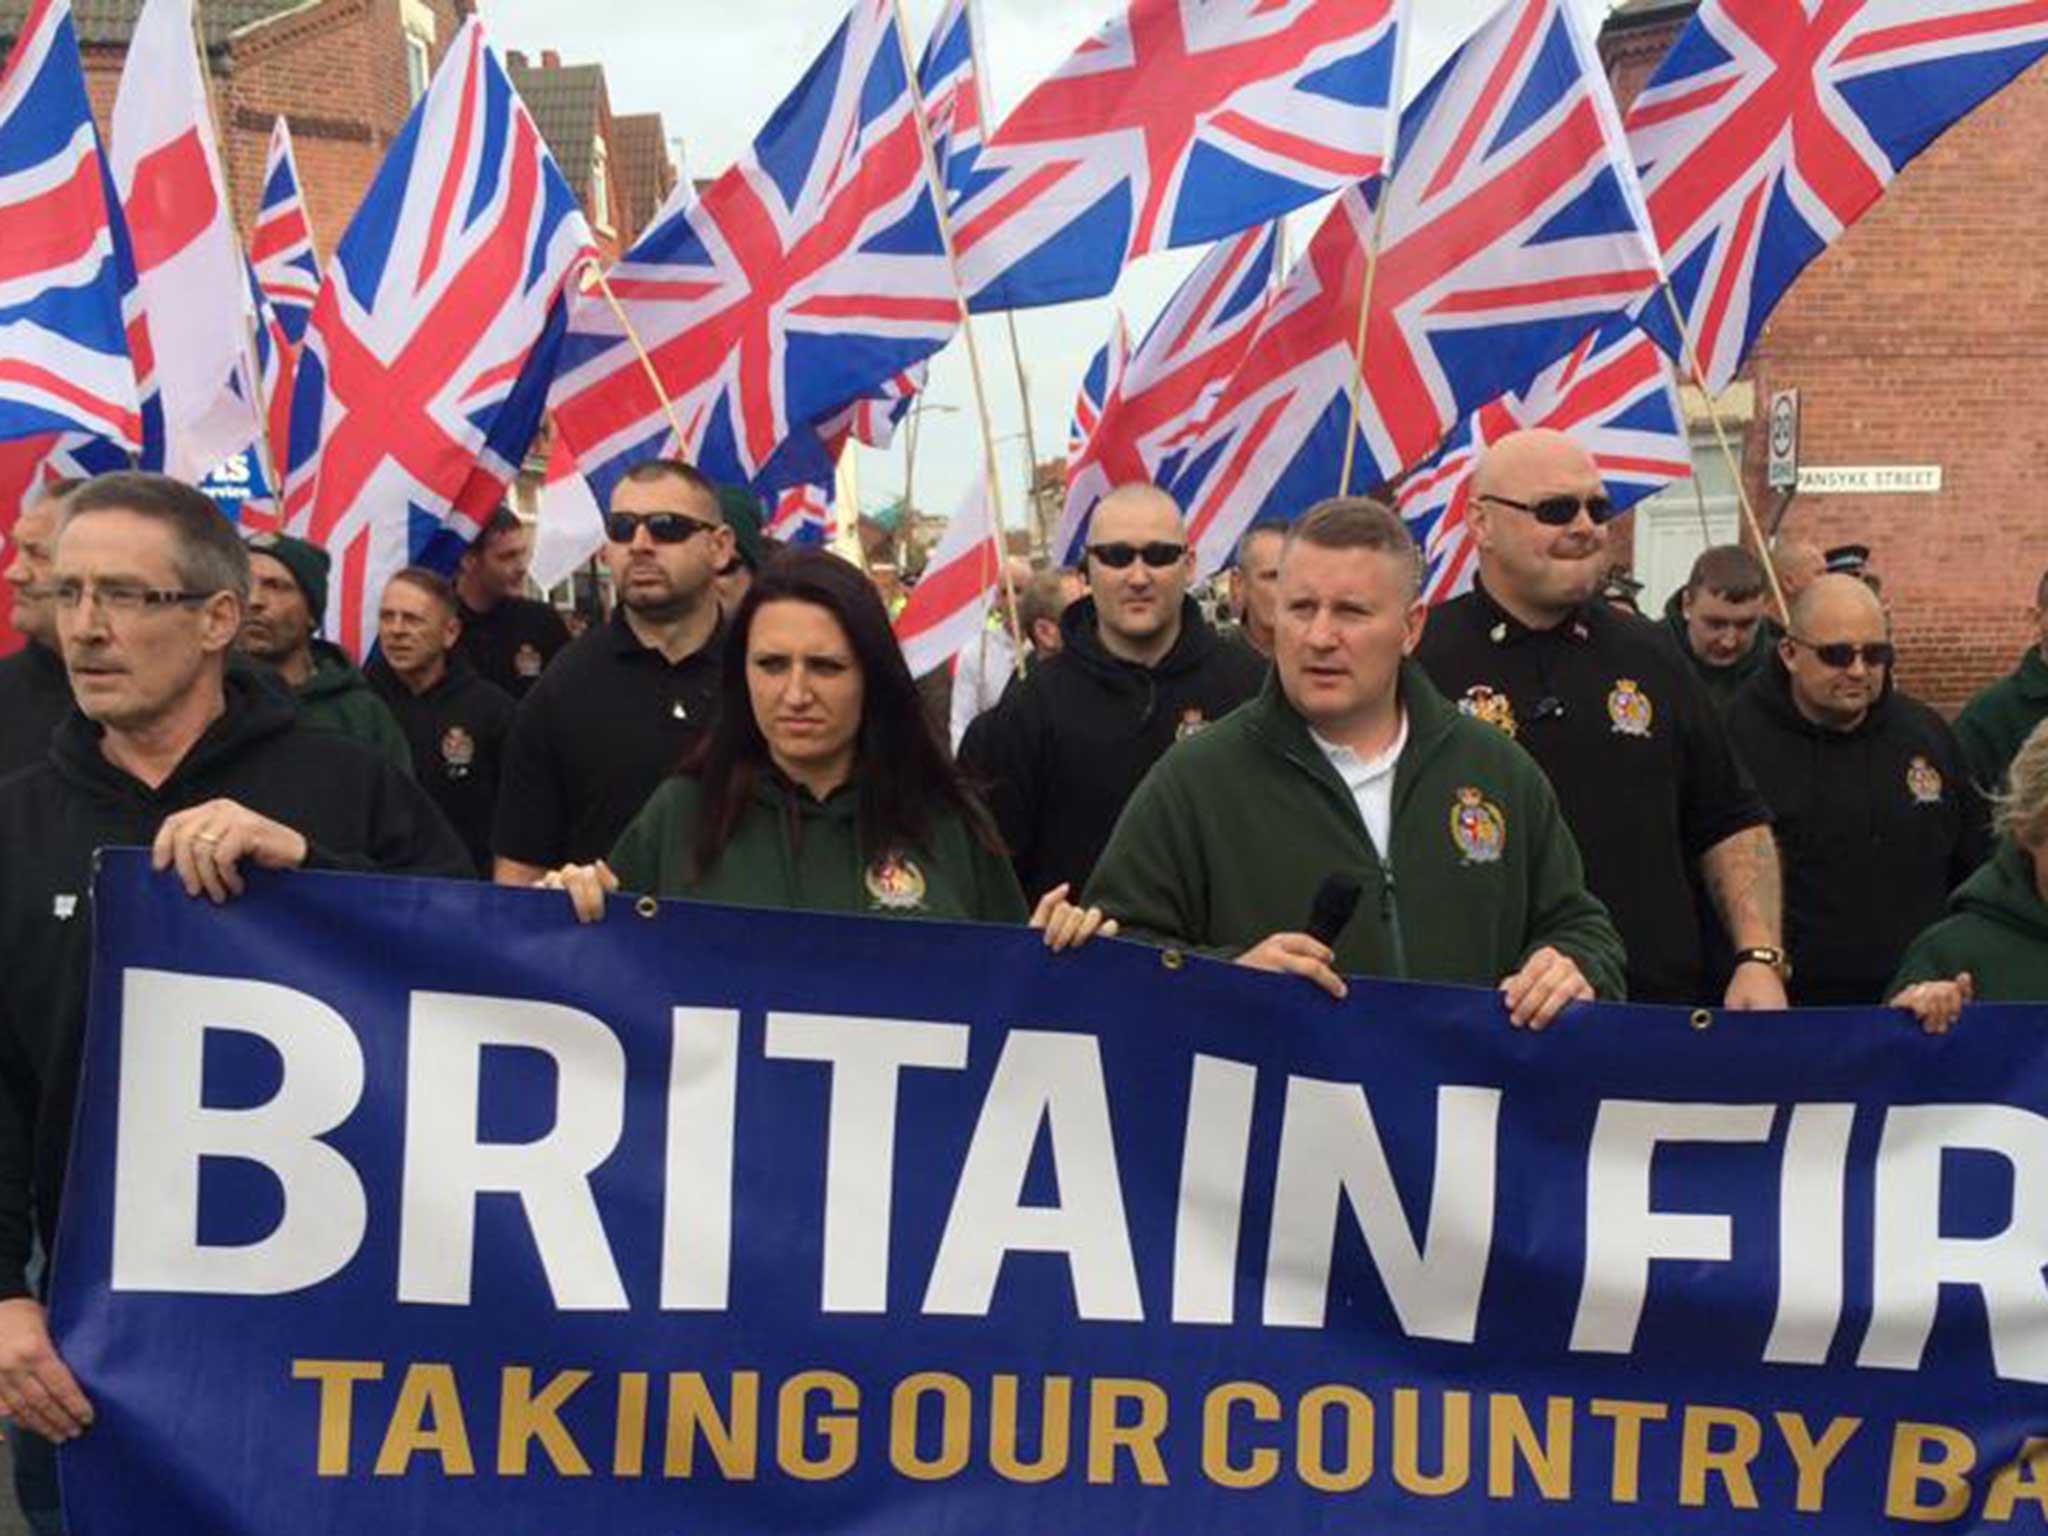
(988,435)
(668,406)
(1372,272)
(1699,378)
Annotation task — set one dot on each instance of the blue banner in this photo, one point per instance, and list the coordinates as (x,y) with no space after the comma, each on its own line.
(404,1207)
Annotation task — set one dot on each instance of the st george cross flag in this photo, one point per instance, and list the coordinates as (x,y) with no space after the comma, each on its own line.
(1613,392)
(188,258)
(951,602)
(570,528)
(1162,400)
(64,261)
(949,79)
(425,367)
(1771,127)
(1514,227)
(1178,123)
(805,277)
(281,245)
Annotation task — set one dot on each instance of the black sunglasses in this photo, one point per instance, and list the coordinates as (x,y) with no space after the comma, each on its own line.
(1841,654)
(1159,554)
(662,527)
(1559,511)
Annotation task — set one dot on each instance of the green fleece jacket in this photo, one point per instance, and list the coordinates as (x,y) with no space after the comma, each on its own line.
(1994,724)
(1997,930)
(1229,837)
(340,699)
(794,852)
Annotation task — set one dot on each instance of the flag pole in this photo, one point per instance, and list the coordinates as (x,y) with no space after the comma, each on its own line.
(668,406)
(945,221)
(1372,252)
(1699,378)
(251,368)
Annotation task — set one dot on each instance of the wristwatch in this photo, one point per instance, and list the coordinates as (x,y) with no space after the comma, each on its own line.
(1767,954)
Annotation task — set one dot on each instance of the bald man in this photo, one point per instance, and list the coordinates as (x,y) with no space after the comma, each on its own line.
(1868,791)
(1662,810)
(1137,669)
(1799,564)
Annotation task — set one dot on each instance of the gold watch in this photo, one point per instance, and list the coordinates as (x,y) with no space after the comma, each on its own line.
(1767,954)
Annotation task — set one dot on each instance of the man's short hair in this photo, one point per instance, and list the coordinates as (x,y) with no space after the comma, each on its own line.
(1268,525)
(1728,571)
(675,469)
(206,552)
(1359,522)
(1041,598)
(431,582)
(501,522)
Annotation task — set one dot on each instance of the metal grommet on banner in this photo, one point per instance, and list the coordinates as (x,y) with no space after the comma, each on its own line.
(1702,1018)
(647,906)
(1172,959)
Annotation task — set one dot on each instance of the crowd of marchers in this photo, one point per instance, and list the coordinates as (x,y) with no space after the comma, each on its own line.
(1530,788)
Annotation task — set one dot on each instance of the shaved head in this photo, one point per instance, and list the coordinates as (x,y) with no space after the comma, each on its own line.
(1139,500)
(1835,611)
(1833,602)
(1138,603)
(1798,564)
(1539,572)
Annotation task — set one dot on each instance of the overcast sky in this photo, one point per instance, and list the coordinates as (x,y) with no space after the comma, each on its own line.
(714,69)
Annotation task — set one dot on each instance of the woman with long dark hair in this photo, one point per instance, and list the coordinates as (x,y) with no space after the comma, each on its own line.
(822,786)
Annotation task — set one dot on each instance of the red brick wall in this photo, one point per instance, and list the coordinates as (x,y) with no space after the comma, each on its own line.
(1919,338)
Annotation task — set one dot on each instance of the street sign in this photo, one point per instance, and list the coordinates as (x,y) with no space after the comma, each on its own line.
(1784,421)
(1870,480)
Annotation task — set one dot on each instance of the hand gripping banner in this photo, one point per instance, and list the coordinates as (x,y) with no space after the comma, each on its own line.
(413,1207)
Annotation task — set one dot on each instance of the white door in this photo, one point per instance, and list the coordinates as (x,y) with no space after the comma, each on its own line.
(1672,527)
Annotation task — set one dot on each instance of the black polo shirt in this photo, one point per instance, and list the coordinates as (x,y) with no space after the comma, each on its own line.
(512,644)
(457,730)
(1639,757)
(35,696)
(610,720)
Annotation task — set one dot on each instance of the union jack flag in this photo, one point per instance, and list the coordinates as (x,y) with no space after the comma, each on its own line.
(949,79)
(872,421)
(802,515)
(1513,229)
(1771,127)
(1179,123)
(805,277)
(1613,392)
(1162,400)
(68,296)
(421,380)
(1105,372)
(281,245)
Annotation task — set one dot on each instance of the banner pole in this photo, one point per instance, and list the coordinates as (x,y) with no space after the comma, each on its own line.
(945,219)
(1699,378)
(668,406)
(1379,226)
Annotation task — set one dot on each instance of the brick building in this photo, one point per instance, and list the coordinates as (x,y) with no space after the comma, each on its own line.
(618,167)
(1915,340)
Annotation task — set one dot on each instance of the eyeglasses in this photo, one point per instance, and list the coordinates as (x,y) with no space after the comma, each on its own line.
(1560,511)
(662,527)
(1841,654)
(122,597)
(1158,555)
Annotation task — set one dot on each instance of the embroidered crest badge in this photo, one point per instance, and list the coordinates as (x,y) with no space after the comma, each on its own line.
(1630,708)
(1490,708)
(895,884)
(1478,827)
(1923,782)
(458,752)
(1192,721)
(526,661)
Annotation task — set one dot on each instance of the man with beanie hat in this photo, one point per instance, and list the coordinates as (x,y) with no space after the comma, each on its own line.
(742,510)
(287,596)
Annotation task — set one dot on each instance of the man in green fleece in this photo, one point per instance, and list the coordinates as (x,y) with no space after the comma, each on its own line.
(1720,620)
(1351,764)
(1993,724)
(287,596)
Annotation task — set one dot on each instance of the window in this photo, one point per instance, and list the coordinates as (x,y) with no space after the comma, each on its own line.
(419,64)
(600,188)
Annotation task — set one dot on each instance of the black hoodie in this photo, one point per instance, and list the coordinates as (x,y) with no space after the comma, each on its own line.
(35,695)
(1070,741)
(1874,825)
(356,812)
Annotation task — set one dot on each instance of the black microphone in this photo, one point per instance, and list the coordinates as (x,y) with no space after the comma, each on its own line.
(1336,899)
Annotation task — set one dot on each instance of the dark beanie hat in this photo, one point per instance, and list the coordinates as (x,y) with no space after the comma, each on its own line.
(742,509)
(308,563)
